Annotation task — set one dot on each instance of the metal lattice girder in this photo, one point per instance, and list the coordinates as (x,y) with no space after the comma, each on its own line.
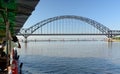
(95,24)
(115,32)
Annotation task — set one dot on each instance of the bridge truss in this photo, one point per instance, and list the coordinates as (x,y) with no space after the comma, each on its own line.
(69,25)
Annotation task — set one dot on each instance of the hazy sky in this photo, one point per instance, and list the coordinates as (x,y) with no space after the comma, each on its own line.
(106,12)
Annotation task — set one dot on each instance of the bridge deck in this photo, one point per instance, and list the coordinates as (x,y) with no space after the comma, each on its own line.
(65,34)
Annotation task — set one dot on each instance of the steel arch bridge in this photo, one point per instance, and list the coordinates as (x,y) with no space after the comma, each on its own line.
(103,29)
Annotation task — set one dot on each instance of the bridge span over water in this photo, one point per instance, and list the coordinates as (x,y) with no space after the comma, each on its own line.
(68,25)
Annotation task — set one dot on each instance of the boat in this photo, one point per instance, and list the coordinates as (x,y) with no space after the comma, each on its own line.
(13,15)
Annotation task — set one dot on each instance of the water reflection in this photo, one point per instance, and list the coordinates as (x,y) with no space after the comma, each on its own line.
(81,57)
(110,45)
(70,49)
(25,45)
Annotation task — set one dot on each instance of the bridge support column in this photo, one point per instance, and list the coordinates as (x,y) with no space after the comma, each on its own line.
(109,40)
(25,38)
(110,36)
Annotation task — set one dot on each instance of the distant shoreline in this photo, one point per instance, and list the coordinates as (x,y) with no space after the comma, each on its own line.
(114,40)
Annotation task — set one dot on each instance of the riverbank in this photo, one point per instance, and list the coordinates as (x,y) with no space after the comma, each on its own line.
(115,40)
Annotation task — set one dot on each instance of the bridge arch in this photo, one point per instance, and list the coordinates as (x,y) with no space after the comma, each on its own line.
(93,23)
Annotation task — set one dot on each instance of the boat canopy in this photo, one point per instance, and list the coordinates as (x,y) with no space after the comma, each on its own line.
(16,13)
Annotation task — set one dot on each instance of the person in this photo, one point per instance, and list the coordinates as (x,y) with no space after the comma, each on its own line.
(2,47)
(8,52)
(2,53)
(3,57)
(14,45)
(16,42)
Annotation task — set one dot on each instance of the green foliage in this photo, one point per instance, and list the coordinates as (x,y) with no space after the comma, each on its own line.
(9,15)
(10,4)
(117,38)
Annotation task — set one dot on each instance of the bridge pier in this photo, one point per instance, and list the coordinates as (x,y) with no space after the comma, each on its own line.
(25,40)
(25,36)
(109,39)
(110,36)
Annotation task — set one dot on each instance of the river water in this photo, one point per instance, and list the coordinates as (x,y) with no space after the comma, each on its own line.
(70,57)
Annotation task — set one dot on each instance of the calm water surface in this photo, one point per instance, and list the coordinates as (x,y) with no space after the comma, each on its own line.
(75,57)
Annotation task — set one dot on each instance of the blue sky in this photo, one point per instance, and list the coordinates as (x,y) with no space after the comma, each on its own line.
(106,12)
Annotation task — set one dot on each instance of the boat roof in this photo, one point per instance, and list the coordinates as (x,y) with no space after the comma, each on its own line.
(17,12)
